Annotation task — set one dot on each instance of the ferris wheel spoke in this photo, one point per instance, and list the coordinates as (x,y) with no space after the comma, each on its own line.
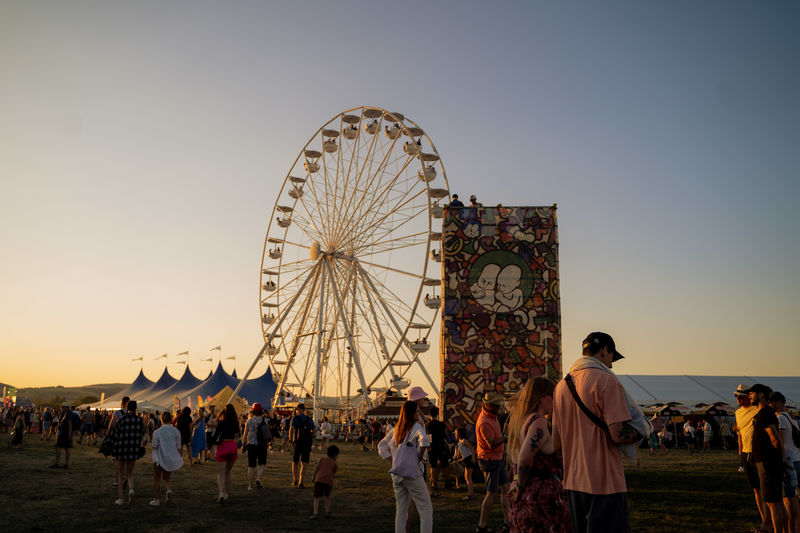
(379,196)
(394,210)
(381,193)
(358,173)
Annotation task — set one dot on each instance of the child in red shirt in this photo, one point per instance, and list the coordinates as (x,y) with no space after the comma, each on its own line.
(323,480)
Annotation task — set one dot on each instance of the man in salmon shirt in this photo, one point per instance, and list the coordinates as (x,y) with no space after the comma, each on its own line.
(593,474)
(490,458)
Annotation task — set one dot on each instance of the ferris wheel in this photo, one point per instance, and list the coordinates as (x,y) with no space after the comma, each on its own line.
(350,280)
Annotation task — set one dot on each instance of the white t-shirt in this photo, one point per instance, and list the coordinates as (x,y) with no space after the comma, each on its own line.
(166,448)
(791,451)
(326,429)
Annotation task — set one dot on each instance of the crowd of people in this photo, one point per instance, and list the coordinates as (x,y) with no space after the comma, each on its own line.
(552,456)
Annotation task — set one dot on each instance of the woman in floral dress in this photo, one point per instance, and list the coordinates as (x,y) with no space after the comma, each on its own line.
(536,497)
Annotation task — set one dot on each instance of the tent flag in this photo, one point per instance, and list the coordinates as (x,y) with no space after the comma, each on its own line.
(216,348)
(182,353)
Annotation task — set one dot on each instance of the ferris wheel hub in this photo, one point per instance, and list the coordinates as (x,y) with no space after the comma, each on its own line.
(316,251)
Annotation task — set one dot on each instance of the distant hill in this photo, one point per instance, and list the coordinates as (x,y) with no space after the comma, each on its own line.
(40,395)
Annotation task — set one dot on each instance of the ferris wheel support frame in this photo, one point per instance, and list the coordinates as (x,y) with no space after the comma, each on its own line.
(267,343)
(320,334)
(365,277)
(349,334)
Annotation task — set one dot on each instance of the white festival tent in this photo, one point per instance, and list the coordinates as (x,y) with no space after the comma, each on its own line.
(694,390)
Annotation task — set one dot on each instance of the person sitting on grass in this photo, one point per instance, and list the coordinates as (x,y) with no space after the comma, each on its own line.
(167,457)
(323,480)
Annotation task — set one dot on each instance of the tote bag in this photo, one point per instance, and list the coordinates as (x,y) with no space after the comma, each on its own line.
(406,459)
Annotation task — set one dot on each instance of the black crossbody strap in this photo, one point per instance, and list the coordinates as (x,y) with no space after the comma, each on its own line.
(593,417)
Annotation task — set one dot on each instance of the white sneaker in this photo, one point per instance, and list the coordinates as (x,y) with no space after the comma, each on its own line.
(155,503)
(120,501)
(167,496)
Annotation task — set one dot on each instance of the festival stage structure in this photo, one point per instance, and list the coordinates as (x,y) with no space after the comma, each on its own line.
(501,319)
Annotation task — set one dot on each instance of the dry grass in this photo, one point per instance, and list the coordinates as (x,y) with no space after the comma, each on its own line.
(676,492)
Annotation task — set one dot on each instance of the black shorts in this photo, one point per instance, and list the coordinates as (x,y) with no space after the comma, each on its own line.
(322,489)
(771,476)
(301,453)
(468,462)
(750,471)
(209,434)
(256,455)
(62,441)
(439,458)
(599,513)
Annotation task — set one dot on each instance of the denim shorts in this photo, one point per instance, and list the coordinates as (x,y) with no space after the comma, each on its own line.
(495,472)
(790,480)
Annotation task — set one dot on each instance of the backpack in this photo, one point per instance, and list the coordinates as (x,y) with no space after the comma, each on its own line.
(304,431)
(263,435)
(795,431)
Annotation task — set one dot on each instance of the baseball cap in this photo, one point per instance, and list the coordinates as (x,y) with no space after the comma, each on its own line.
(598,340)
(758,387)
(741,390)
(416,393)
(493,398)
(776,396)
(472,197)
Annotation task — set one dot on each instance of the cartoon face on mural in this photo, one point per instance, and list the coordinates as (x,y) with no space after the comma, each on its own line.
(501,322)
(509,295)
(483,289)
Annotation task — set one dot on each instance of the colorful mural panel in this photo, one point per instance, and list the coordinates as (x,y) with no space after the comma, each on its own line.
(501,318)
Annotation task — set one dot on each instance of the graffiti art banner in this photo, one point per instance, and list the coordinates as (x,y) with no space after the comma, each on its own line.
(501,318)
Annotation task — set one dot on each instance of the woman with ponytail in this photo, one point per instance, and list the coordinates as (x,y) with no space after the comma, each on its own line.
(407,442)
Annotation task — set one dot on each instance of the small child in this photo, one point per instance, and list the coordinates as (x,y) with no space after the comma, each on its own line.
(323,480)
(465,455)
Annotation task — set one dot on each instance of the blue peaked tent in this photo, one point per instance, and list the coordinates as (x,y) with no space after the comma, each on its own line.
(139,384)
(163,383)
(261,389)
(210,387)
(186,383)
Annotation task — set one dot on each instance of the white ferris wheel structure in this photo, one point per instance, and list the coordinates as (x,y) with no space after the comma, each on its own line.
(350,282)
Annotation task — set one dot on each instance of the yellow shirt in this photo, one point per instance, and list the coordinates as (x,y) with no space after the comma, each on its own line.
(744,421)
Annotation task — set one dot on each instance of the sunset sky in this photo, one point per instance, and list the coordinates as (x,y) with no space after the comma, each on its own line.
(142,146)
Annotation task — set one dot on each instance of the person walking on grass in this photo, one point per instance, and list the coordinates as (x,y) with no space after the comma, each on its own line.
(769,456)
(301,435)
(465,454)
(18,429)
(127,437)
(408,435)
(256,438)
(491,446)
(66,429)
(439,454)
(707,434)
(594,418)
(323,480)
(225,439)
(183,423)
(167,457)
(47,421)
(327,433)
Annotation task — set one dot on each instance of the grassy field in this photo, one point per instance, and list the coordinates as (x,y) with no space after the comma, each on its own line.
(676,492)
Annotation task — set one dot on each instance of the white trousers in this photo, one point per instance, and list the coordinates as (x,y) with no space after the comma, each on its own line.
(405,488)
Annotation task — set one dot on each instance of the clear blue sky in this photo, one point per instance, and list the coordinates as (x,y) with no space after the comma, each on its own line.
(142,145)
